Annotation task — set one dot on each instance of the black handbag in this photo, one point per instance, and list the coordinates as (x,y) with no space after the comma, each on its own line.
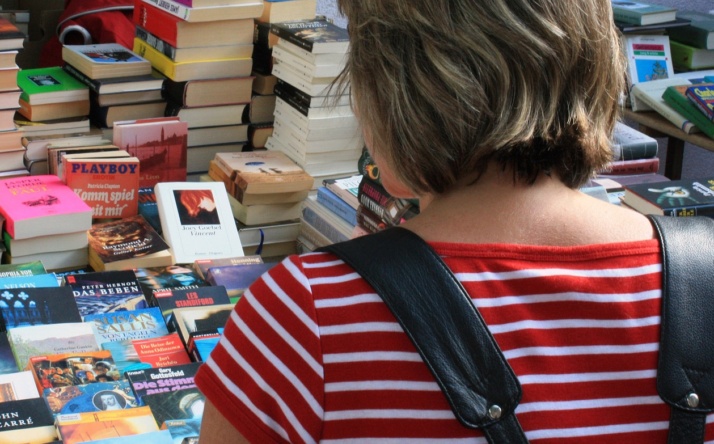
(468,365)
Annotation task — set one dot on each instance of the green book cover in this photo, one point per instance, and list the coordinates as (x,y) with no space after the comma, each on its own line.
(688,58)
(699,33)
(675,96)
(52,82)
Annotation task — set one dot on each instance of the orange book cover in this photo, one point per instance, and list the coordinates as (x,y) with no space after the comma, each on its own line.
(109,185)
(83,427)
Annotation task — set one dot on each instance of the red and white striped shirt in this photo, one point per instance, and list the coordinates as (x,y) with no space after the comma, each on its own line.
(311,352)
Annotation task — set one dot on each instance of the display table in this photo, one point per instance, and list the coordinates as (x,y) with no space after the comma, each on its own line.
(654,125)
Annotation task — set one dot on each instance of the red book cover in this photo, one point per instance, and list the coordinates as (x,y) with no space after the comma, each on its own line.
(41,205)
(160,23)
(163,351)
(109,186)
(159,143)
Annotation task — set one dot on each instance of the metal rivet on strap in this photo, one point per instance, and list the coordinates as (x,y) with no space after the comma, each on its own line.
(692,400)
(494,411)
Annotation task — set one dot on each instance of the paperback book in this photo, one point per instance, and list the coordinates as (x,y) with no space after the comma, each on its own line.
(264,172)
(675,96)
(25,307)
(142,323)
(201,266)
(237,278)
(24,269)
(50,339)
(649,57)
(153,279)
(703,98)
(95,397)
(106,291)
(182,404)
(29,281)
(169,299)
(147,207)
(316,36)
(17,385)
(50,85)
(66,369)
(137,354)
(105,60)
(162,380)
(189,321)
(26,421)
(110,423)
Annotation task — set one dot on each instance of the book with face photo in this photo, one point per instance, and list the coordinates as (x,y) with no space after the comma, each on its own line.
(94,397)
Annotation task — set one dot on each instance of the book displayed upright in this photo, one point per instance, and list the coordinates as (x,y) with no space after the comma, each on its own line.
(197,221)
(649,57)
(678,198)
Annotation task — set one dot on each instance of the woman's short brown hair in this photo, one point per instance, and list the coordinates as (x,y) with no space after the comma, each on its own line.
(445,86)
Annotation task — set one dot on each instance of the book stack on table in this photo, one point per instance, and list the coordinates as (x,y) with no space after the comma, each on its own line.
(11,150)
(323,139)
(204,49)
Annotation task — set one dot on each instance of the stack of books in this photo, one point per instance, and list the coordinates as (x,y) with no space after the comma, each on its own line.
(205,52)
(11,150)
(108,67)
(44,220)
(693,45)
(321,138)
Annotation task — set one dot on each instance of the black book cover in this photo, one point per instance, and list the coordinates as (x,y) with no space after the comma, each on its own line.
(24,414)
(169,299)
(22,307)
(152,279)
(106,291)
(186,404)
(149,381)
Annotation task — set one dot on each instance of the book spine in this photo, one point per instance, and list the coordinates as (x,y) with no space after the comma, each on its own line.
(701,103)
(289,36)
(158,61)
(369,221)
(681,103)
(156,43)
(637,166)
(297,101)
(627,16)
(691,211)
(156,21)
(335,204)
(174,92)
(312,235)
(174,8)
(92,84)
(322,225)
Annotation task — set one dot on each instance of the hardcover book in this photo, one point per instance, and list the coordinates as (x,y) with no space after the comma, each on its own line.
(640,13)
(24,307)
(108,185)
(106,116)
(125,244)
(160,144)
(628,143)
(104,60)
(143,323)
(137,354)
(153,279)
(41,206)
(675,96)
(169,299)
(703,98)
(698,33)
(209,92)
(647,96)
(197,221)
(26,421)
(689,58)
(95,397)
(51,339)
(65,369)
(679,198)
(50,85)
(316,36)
(106,291)
(110,423)
(264,172)
(162,380)
(237,278)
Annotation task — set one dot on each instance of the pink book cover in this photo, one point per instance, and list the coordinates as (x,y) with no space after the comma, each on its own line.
(41,206)
(160,144)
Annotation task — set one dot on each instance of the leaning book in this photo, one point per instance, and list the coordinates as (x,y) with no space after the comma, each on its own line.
(106,291)
(679,198)
(197,221)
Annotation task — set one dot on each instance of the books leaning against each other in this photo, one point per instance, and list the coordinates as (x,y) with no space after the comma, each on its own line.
(680,198)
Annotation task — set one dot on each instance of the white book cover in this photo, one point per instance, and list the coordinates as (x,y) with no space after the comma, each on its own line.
(196,221)
(16,386)
(649,57)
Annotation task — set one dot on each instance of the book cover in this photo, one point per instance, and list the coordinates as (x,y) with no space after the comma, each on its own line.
(125,244)
(103,60)
(678,198)
(640,13)
(160,144)
(26,421)
(50,339)
(110,423)
(197,221)
(675,96)
(345,188)
(17,385)
(106,291)
(109,185)
(24,307)
(115,85)
(7,359)
(698,33)
(648,57)
(264,172)
(143,323)
(209,92)
(338,206)
(160,437)
(65,369)
(50,85)
(162,380)
(24,269)
(41,206)
(703,98)
(390,209)
(137,354)
(169,299)
(316,36)
(147,207)
(237,278)
(689,58)
(29,281)
(201,266)
(191,320)
(186,404)
(95,397)
(646,96)
(153,279)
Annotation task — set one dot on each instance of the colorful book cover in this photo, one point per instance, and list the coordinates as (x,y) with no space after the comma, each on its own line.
(162,380)
(95,397)
(50,85)
(194,320)
(33,422)
(127,325)
(163,351)
(186,404)
(106,291)
(201,345)
(160,437)
(41,205)
(30,281)
(160,144)
(678,198)
(23,269)
(25,307)
(64,369)
(109,186)
(237,278)
(147,207)
(649,57)
(110,423)
(175,277)
(126,243)
(52,339)
(197,221)
(201,266)
(18,385)
(703,98)
(169,299)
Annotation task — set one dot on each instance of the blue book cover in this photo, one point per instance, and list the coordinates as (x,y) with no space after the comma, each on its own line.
(32,281)
(95,397)
(128,325)
(24,307)
(237,278)
(338,206)
(7,359)
(106,291)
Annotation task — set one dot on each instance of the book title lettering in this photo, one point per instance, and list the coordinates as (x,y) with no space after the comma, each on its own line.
(104,168)
(113,198)
(123,323)
(207,230)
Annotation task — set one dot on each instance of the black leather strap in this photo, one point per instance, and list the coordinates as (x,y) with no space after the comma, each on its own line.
(685,372)
(439,317)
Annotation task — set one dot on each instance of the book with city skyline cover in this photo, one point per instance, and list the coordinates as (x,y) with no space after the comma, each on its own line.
(678,198)
(50,85)
(37,306)
(41,206)
(126,243)
(197,221)
(106,291)
(105,60)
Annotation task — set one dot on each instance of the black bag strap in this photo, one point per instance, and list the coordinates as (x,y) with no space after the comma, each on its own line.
(439,317)
(685,370)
